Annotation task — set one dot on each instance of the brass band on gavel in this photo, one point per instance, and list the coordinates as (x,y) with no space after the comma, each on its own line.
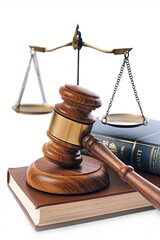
(68,130)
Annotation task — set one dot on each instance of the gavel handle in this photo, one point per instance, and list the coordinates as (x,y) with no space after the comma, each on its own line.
(126,173)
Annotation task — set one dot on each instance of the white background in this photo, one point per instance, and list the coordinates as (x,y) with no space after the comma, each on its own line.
(105,24)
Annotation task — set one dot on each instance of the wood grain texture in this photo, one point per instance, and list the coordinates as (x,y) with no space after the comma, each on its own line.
(78,104)
(62,153)
(62,170)
(90,176)
(126,173)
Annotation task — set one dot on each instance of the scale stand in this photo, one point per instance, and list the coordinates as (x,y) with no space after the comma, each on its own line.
(77,44)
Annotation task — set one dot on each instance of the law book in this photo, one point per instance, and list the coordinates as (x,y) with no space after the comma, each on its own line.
(136,146)
(46,210)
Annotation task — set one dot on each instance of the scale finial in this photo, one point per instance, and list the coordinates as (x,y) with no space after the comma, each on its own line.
(77,39)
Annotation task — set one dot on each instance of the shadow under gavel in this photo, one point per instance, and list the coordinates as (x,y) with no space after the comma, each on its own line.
(63,170)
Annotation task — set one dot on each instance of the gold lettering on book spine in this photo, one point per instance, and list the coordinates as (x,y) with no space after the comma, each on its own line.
(105,142)
(122,151)
(133,148)
(151,158)
(138,158)
(154,160)
(113,148)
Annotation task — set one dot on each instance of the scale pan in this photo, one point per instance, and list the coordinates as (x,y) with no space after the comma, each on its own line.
(124,120)
(33,108)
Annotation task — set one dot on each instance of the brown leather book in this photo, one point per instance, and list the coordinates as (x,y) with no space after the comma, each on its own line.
(50,210)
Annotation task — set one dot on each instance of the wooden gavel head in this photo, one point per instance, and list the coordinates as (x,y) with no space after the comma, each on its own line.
(62,170)
(71,121)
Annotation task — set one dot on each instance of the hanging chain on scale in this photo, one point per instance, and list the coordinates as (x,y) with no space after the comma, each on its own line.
(125,63)
(32,108)
(36,65)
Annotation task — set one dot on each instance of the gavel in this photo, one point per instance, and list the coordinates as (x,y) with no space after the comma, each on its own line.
(63,170)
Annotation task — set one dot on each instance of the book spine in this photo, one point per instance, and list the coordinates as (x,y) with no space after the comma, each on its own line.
(141,156)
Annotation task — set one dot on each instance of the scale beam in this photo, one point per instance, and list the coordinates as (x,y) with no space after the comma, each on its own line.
(77,43)
(116,51)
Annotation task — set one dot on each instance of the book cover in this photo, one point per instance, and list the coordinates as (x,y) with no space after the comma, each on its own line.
(49,210)
(137,146)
